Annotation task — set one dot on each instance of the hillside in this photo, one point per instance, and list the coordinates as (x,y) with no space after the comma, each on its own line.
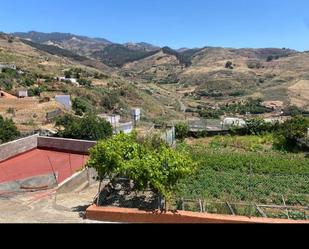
(39,65)
(116,55)
(252,72)
(185,77)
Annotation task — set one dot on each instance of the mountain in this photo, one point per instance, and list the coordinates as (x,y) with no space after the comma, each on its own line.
(114,55)
(81,45)
(269,73)
(117,55)
(142,46)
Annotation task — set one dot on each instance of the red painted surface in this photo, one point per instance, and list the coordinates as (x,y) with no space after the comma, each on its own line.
(41,162)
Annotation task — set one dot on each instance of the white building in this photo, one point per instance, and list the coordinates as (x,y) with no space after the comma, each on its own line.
(118,127)
(136,114)
(126,128)
(238,122)
(65,100)
(4,65)
(23,94)
(112,119)
(72,80)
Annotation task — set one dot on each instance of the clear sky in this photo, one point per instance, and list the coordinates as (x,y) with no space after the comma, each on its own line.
(175,23)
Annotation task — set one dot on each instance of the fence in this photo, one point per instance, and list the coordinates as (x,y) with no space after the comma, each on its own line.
(241,209)
(248,194)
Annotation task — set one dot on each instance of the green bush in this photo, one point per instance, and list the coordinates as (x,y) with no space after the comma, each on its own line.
(81,106)
(8,130)
(291,133)
(182,131)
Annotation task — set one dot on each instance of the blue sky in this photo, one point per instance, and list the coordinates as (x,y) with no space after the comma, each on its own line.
(175,23)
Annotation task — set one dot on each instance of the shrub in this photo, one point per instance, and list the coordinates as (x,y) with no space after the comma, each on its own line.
(291,133)
(229,65)
(182,131)
(81,106)
(8,130)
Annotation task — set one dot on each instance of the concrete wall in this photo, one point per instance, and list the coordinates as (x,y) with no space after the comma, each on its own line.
(82,178)
(16,147)
(66,145)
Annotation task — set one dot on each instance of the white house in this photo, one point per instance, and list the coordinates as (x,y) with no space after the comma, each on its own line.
(23,94)
(65,100)
(234,122)
(72,80)
(136,114)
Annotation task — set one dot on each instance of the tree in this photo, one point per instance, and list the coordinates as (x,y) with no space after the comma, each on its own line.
(258,126)
(81,106)
(8,130)
(84,82)
(229,65)
(270,58)
(156,167)
(89,127)
(182,131)
(67,74)
(292,132)
(293,111)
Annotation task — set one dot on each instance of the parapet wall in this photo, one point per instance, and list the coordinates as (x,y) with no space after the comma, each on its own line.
(65,145)
(17,147)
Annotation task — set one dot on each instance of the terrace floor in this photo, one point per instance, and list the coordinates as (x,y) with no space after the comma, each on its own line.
(47,207)
(39,162)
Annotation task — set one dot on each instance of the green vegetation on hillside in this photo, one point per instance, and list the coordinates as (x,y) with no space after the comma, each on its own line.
(8,130)
(252,106)
(54,50)
(117,55)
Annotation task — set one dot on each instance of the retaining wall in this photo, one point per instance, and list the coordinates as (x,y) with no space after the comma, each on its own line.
(65,145)
(125,215)
(17,147)
(80,178)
